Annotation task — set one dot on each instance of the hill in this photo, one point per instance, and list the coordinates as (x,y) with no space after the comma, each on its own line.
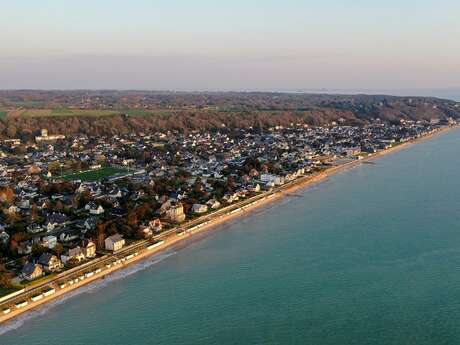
(24,112)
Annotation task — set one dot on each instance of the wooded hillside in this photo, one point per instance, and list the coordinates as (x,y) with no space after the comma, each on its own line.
(24,113)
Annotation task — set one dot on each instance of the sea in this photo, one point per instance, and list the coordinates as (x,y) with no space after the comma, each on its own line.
(369,256)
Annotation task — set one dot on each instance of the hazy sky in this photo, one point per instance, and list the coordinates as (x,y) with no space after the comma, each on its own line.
(230,45)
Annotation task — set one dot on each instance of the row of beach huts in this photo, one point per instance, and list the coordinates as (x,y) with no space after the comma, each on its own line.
(236,210)
(52,290)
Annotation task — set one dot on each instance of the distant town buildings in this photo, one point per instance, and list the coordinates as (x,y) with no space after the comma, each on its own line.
(45,137)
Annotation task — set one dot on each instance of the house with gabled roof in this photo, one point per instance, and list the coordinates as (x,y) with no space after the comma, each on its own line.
(50,262)
(114,242)
(32,271)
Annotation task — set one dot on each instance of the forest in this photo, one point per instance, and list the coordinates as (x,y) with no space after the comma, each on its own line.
(97,113)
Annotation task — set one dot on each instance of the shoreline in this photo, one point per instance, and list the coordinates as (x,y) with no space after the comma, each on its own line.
(188,231)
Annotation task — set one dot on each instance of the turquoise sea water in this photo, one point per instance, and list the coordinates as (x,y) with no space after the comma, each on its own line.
(370,256)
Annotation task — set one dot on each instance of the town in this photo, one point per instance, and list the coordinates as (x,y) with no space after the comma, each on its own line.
(70,202)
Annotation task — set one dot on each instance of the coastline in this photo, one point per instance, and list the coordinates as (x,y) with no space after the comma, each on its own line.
(169,241)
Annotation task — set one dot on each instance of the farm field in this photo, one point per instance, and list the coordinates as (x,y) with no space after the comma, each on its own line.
(67,112)
(62,112)
(145,112)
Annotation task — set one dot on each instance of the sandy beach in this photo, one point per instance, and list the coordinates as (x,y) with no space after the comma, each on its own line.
(188,232)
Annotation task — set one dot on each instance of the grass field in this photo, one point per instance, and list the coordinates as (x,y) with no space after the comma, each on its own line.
(3,114)
(144,112)
(67,112)
(94,175)
(27,104)
(26,283)
(62,112)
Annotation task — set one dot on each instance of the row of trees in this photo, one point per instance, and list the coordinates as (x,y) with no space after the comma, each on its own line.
(27,127)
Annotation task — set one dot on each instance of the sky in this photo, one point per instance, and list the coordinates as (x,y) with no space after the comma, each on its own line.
(287,45)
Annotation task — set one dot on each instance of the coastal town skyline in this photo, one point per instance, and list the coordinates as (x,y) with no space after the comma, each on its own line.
(94,181)
(242,172)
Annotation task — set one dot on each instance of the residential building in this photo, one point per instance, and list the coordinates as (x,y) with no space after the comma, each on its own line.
(32,271)
(50,262)
(114,242)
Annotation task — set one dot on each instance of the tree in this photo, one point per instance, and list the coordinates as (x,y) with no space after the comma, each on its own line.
(5,277)
(58,249)
(54,166)
(7,195)
(132,219)
(59,206)
(34,212)
(85,197)
(38,249)
(100,235)
(15,240)
(72,262)
(12,217)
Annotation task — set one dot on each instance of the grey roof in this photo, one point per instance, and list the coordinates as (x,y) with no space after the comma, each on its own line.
(116,238)
(45,259)
(28,268)
(56,218)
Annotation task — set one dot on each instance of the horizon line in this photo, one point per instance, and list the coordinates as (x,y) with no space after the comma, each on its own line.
(319,91)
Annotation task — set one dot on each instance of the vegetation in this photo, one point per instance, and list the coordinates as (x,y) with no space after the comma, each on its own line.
(27,283)
(63,112)
(98,113)
(145,112)
(5,280)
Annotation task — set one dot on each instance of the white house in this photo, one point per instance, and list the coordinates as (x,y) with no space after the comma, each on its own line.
(277,180)
(175,213)
(75,254)
(254,188)
(88,248)
(199,208)
(4,237)
(114,242)
(32,271)
(147,232)
(155,225)
(94,209)
(97,211)
(49,241)
(213,203)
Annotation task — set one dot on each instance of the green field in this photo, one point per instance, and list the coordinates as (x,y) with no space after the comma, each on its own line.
(26,283)
(67,112)
(29,104)
(62,112)
(3,114)
(145,112)
(94,175)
